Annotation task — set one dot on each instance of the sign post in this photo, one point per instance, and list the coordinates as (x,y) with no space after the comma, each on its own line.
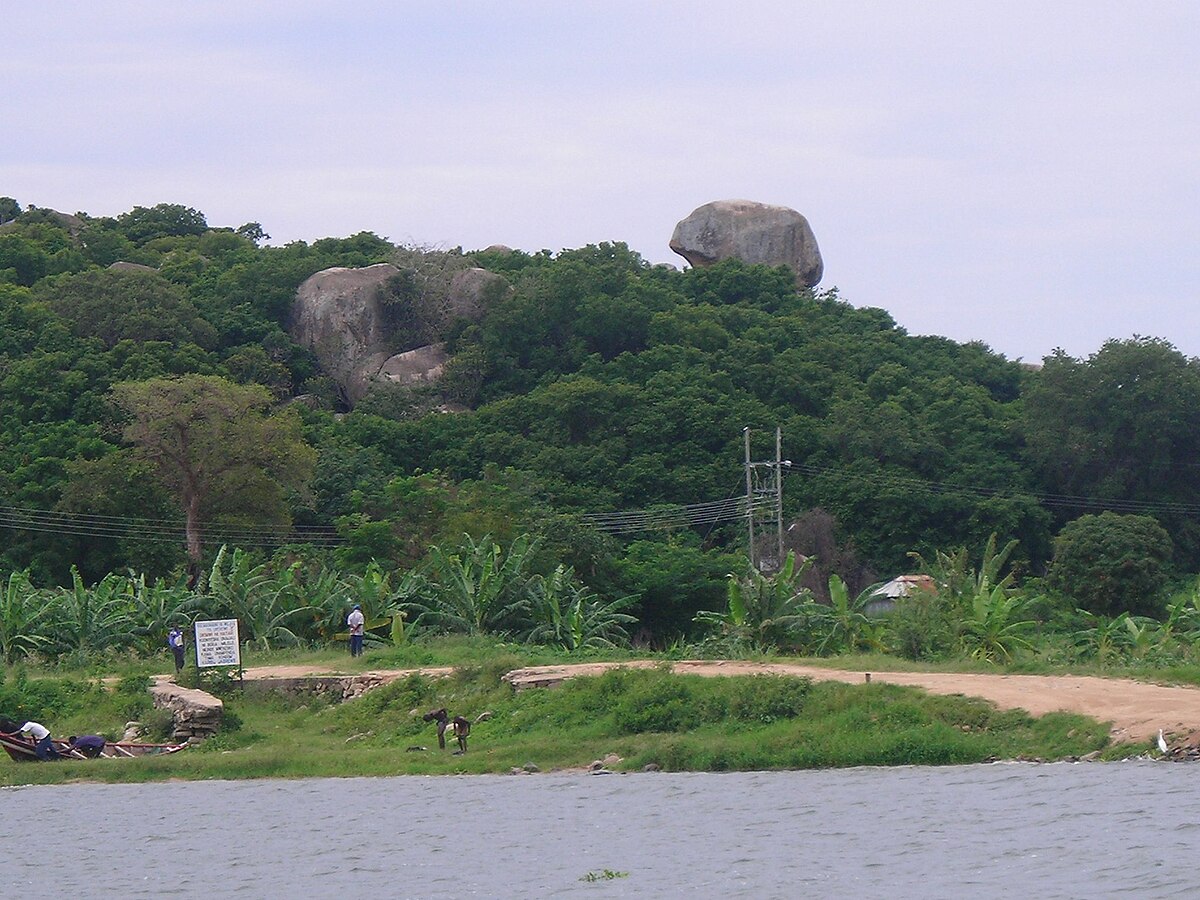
(217,645)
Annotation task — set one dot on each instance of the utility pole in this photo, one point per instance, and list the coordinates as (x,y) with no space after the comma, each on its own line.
(764,506)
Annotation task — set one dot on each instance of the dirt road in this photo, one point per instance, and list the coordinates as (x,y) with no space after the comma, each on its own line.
(1136,710)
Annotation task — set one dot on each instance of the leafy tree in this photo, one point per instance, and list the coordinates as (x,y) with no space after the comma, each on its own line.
(215,446)
(163,220)
(117,305)
(1124,424)
(253,232)
(1109,563)
(9,210)
(673,579)
(22,261)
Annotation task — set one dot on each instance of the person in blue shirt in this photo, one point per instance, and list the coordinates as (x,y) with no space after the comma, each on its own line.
(175,642)
(90,745)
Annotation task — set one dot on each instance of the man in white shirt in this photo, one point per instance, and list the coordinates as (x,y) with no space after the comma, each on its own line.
(43,744)
(356,621)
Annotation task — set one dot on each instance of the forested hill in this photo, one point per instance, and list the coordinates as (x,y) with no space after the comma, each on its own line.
(598,384)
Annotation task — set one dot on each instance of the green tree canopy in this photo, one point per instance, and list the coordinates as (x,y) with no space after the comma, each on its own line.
(115,305)
(1110,564)
(216,448)
(1122,425)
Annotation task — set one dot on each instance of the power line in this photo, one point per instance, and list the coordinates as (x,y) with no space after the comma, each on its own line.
(97,526)
(1047,499)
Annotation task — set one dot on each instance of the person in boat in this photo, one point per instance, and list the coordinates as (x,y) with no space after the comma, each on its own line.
(90,745)
(356,621)
(43,745)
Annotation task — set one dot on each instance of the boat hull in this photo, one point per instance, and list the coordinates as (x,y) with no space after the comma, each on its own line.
(22,750)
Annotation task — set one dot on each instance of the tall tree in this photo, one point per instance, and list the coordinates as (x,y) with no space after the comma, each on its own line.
(217,448)
(1122,426)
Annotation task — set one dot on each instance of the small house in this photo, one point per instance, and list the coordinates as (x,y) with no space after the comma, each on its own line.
(883,598)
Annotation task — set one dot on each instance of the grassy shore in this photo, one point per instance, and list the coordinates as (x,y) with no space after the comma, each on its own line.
(644,717)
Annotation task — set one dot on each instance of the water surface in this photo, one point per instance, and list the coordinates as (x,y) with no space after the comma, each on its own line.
(1061,830)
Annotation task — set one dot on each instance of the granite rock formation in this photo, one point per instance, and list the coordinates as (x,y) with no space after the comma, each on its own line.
(752,232)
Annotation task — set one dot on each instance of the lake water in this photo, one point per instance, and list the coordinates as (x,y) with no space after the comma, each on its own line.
(1017,830)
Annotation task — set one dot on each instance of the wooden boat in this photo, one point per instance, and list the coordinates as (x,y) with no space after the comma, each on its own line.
(21,749)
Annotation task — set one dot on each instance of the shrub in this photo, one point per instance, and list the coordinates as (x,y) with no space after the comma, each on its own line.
(1110,564)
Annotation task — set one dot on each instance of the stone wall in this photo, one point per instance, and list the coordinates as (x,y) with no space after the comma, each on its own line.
(196,714)
(336,687)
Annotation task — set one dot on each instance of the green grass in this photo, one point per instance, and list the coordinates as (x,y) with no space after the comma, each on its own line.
(677,722)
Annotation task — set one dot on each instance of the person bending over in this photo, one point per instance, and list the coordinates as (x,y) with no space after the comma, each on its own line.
(43,745)
(90,745)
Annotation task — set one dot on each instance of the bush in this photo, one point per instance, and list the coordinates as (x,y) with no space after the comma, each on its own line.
(1110,564)
(921,627)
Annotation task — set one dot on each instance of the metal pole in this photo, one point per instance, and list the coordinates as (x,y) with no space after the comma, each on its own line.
(779,496)
(749,496)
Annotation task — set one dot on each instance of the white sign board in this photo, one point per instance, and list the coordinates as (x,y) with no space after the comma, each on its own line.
(217,643)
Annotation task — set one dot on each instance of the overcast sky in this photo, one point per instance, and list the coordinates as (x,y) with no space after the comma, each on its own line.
(1021,173)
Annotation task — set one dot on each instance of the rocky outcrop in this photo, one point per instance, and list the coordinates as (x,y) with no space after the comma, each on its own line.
(473,290)
(338,314)
(341,315)
(754,233)
(196,715)
(420,366)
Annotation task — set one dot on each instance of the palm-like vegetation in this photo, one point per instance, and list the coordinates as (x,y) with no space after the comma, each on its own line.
(26,618)
(766,611)
(847,627)
(95,618)
(267,607)
(479,588)
(570,615)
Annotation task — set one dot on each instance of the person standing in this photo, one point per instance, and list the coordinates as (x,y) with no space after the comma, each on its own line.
(175,642)
(356,622)
(43,745)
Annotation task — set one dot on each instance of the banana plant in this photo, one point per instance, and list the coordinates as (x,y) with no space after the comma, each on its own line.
(995,628)
(478,587)
(570,615)
(1106,638)
(157,607)
(27,619)
(767,611)
(95,618)
(266,606)
(848,627)
(1144,635)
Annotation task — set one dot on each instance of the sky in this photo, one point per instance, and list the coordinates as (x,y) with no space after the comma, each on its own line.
(1025,174)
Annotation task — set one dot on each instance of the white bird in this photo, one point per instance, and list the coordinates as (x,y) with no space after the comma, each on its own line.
(1162,742)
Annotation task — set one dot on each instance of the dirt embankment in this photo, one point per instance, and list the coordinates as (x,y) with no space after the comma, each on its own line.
(1136,710)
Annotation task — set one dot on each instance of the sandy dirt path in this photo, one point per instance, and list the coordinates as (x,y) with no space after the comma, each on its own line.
(1136,710)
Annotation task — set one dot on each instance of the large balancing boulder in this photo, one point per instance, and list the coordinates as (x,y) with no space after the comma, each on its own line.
(754,233)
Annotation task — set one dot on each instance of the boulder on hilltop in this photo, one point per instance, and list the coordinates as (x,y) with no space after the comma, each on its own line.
(754,233)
